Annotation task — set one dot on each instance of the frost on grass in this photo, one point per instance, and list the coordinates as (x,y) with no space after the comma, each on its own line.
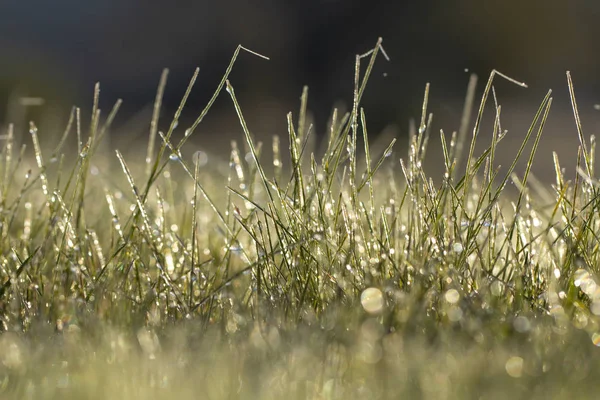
(347,273)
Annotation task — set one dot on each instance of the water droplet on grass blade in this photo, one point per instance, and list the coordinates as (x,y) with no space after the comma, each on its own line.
(589,287)
(457,248)
(514,366)
(372,300)
(174,157)
(455,314)
(521,324)
(200,158)
(580,276)
(452,296)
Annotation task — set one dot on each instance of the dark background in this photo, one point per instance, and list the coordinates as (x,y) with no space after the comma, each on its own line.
(58,50)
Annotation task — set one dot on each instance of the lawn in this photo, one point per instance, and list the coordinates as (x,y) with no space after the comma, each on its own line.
(333,270)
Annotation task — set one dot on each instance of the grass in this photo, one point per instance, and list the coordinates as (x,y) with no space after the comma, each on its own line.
(345,273)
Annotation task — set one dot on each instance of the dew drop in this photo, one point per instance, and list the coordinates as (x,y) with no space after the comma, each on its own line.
(556,273)
(84,151)
(452,296)
(174,157)
(455,314)
(457,247)
(580,320)
(521,324)
(372,300)
(200,158)
(580,277)
(514,366)
(589,287)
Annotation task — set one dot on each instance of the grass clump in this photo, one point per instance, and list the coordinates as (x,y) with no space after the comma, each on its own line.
(348,274)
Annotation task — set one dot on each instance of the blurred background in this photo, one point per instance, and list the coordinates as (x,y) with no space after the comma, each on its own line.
(57,51)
